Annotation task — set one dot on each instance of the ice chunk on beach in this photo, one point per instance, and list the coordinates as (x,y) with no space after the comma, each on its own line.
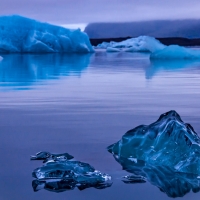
(19,34)
(168,142)
(60,173)
(175,52)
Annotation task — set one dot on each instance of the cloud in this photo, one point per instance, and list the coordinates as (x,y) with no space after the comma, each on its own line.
(85,11)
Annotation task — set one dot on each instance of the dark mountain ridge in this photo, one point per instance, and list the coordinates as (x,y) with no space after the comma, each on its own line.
(189,28)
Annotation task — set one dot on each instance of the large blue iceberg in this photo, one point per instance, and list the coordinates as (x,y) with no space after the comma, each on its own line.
(59,173)
(19,34)
(166,153)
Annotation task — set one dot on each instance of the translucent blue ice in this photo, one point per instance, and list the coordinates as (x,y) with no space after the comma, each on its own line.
(166,153)
(139,44)
(175,52)
(158,50)
(167,142)
(60,173)
(19,34)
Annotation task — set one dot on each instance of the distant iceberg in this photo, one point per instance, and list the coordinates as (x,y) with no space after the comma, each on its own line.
(139,44)
(158,51)
(175,52)
(19,34)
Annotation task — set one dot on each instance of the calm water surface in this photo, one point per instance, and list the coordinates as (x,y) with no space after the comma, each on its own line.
(80,104)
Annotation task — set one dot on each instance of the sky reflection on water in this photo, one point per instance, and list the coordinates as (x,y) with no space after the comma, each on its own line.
(80,104)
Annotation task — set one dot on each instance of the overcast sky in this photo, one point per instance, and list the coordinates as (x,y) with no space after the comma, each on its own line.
(85,11)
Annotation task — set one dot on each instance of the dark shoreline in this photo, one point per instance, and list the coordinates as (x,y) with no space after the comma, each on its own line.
(167,41)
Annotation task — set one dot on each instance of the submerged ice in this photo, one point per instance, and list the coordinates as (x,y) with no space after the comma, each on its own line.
(19,34)
(60,173)
(166,153)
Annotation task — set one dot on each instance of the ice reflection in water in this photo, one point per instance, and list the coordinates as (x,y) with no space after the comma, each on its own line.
(21,70)
(169,65)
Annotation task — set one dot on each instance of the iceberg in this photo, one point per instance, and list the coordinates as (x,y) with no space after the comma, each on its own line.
(175,52)
(139,44)
(59,173)
(158,51)
(166,153)
(19,35)
(167,142)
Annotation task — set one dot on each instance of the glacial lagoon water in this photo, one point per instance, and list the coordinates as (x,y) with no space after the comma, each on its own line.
(81,104)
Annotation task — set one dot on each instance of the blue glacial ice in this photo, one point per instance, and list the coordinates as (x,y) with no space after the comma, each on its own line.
(167,142)
(59,173)
(19,34)
(158,51)
(139,44)
(175,52)
(164,153)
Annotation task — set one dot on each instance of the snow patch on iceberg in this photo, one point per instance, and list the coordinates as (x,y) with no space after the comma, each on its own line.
(19,34)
